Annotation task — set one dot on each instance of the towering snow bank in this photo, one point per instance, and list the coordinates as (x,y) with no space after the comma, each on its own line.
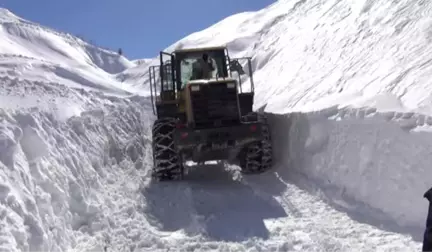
(56,178)
(374,165)
(369,48)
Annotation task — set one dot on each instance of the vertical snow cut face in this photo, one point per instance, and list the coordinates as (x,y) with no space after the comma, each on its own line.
(373,165)
(56,177)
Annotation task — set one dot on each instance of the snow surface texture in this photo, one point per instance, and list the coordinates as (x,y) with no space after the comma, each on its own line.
(345,86)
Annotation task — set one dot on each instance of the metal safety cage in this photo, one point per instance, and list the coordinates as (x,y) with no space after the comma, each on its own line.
(162,86)
(153,88)
(167,72)
(246,98)
(236,67)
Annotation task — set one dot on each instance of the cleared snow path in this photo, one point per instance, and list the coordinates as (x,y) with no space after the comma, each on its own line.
(265,213)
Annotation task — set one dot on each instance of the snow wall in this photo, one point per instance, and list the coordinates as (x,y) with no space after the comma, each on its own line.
(63,183)
(375,166)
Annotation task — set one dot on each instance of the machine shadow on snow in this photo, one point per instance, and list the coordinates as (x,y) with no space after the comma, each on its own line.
(289,136)
(210,202)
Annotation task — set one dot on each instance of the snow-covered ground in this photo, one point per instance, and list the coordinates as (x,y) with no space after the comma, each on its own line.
(347,92)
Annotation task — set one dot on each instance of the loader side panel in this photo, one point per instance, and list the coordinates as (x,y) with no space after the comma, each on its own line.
(188,105)
(246,103)
(167,110)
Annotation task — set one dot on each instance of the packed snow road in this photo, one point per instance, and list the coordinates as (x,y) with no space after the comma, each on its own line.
(263,213)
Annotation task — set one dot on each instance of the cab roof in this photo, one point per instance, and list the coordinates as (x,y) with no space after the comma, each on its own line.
(199,49)
(212,80)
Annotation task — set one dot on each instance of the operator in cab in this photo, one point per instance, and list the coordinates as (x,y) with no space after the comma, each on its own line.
(202,68)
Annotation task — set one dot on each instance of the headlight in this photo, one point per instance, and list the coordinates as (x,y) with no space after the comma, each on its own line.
(195,88)
(230,85)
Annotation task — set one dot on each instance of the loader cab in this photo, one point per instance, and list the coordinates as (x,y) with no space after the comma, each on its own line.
(187,59)
(167,87)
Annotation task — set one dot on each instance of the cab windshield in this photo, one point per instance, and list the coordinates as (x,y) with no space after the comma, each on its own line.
(187,67)
(191,62)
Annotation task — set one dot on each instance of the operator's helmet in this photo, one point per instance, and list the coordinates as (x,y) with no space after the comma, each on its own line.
(205,57)
(210,63)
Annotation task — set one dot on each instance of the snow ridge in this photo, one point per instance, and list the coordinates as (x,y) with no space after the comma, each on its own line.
(33,52)
(102,58)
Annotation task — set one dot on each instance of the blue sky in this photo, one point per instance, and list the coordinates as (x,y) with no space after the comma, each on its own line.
(140,27)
